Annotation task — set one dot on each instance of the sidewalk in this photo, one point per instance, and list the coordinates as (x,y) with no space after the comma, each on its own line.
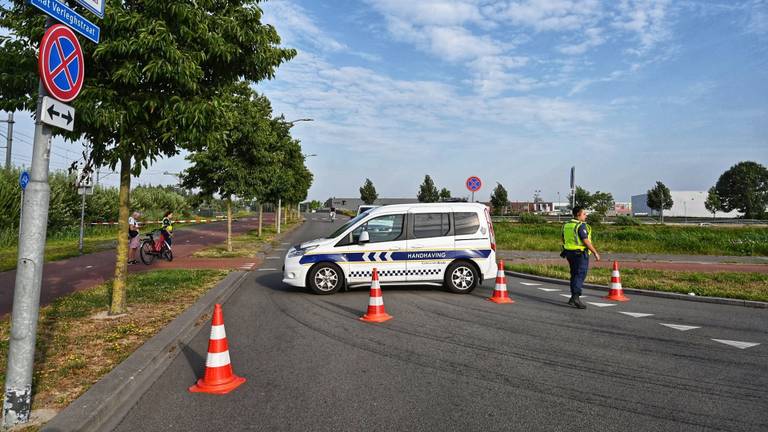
(695,263)
(74,274)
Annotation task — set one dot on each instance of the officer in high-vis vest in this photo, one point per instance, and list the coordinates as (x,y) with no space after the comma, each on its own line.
(577,246)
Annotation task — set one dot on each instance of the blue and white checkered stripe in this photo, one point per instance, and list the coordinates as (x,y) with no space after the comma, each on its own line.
(425,255)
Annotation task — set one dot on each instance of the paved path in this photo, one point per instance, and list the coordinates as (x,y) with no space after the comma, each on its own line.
(73,274)
(449,362)
(697,263)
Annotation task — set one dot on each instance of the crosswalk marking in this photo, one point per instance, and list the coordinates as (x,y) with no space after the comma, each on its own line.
(273,257)
(601,304)
(680,327)
(530,284)
(550,289)
(267,269)
(636,314)
(737,344)
(569,296)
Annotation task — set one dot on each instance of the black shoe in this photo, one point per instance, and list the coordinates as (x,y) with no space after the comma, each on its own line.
(572,301)
(577,302)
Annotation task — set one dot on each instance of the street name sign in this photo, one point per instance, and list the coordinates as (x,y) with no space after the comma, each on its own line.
(24,180)
(58,114)
(95,6)
(474,184)
(61,64)
(67,16)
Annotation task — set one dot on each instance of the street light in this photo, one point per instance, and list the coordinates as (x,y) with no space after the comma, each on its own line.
(292,122)
(309,155)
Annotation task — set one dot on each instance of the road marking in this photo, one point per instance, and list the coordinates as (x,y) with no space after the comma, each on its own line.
(636,315)
(569,296)
(602,304)
(278,250)
(530,284)
(267,269)
(737,344)
(90,266)
(284,243)
(679,327)
(550,289)
(273,257)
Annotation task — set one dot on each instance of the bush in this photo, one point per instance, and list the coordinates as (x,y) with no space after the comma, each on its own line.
(595,219)
(622,220)
(532,219)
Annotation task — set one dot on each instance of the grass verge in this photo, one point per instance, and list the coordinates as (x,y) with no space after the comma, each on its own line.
(737,285)
(244,245)
(74,351)
(661,239)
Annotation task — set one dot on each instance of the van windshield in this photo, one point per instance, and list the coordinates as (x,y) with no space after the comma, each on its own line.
(346,226)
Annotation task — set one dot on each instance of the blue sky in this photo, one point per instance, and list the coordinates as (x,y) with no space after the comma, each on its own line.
(518,91)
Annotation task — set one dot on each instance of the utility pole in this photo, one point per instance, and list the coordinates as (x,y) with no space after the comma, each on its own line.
(9,140)
(279,207)
(17,404)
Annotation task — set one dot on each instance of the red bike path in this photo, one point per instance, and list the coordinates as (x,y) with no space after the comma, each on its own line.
(74,274)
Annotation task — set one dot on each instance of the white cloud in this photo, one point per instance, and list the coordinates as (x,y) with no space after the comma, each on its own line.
(297,28)
(648,19)
(593,38)
(557,15)
(758,17)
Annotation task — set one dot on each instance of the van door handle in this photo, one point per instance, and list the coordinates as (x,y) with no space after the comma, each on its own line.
(395,248)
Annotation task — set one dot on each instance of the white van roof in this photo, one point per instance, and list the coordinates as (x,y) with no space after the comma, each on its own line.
(438,206)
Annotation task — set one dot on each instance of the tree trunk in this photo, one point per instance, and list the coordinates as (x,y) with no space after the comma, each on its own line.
(229,224)
(261,216)
(117,304)
(661,212)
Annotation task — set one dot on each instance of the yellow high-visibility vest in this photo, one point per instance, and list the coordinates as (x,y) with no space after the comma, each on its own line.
(571,239)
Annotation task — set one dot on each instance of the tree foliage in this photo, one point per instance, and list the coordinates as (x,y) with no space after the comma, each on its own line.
(602,202)
(659,198)
(713,204)
(744,187)
(445,194)
(584,199)
(428,192)
(499,199)
(368,192)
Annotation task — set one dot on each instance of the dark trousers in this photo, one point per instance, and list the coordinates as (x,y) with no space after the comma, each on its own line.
(579,263)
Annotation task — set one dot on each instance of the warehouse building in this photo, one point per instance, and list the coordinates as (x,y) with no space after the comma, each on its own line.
(685,204)
(354,203)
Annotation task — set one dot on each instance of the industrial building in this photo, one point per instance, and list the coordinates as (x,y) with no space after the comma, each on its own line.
(354,203)
(685,204)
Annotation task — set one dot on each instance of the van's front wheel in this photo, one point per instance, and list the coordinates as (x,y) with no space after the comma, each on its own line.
(461,277)
(325,278)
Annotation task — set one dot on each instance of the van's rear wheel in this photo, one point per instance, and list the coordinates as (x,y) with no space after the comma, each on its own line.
(325,278)
(461,277)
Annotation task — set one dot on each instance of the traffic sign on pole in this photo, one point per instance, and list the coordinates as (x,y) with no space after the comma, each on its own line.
(61,64)
(474,184)
(95,6)
(58,114)
(573,177)
(24,180)
(67,16)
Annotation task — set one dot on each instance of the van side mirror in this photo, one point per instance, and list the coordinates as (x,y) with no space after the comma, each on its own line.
(364,238)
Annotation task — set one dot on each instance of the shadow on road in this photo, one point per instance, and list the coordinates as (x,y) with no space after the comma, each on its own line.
(195,360)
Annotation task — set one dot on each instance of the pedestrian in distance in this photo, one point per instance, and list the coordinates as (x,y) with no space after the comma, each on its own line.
(167,229)
(133,237)
(577,246)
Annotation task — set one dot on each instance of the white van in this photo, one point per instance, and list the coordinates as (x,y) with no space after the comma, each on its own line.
(449,244)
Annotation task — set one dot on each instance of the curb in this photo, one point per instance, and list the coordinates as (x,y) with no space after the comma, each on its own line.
(649,293)
(108,401)
(105,404)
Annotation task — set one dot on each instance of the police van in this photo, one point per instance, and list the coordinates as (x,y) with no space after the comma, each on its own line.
(450,244)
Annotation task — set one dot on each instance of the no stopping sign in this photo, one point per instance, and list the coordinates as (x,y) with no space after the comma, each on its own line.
(61,63)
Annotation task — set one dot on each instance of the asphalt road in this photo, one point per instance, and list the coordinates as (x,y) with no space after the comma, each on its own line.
(449,362)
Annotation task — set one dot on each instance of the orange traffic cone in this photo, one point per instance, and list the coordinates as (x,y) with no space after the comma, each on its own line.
(500,294)
(616,292)
(376,311)
(219,378)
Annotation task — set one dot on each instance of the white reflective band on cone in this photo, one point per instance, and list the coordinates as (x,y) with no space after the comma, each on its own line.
(615,273)
(217,359)
(615,285)
(501,287)
(376,301)
(217,332)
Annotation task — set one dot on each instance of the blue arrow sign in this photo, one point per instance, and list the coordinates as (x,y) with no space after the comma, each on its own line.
(24,180)
(68,17)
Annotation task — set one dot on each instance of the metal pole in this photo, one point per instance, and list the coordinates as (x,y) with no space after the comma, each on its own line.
(473,196)
(82,222)
(9,141)
(21,214)
(29,274)
(279,206)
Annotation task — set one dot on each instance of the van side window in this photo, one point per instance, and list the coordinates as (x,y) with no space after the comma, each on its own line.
(466,223)
(430,225)
(380,229)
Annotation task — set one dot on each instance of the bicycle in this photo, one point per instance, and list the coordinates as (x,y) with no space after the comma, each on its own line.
(151,248)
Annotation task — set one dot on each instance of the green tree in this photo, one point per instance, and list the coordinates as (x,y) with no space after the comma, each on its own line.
(368,192)
(583,198)
(744,187)
(153,85)
(315,205)
(659,198)
(602,202)
(428,191)
(499,199)
(445,194)
(713,204)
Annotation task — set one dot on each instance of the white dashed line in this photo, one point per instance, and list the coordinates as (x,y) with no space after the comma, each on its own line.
(569,296)
(602,304)
(284,243)
(550,289)
(273,257)
(737,344)
(636,315)
(530,284)
(90,266)
(267,269)
(680,327)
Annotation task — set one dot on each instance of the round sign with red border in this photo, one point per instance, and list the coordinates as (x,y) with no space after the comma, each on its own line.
(474,184)
(61,63)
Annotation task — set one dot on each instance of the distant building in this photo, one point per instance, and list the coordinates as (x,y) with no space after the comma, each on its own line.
(621,208)
(531,207)
(685,204)
(354,203)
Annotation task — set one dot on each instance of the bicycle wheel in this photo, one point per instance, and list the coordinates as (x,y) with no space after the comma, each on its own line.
(168,254)
(146,252)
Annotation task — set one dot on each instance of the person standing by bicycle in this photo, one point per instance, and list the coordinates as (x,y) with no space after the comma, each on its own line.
(133,237)
(167,229)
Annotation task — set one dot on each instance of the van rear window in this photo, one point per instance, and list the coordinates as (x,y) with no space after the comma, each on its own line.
(466,223)
(427,225)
